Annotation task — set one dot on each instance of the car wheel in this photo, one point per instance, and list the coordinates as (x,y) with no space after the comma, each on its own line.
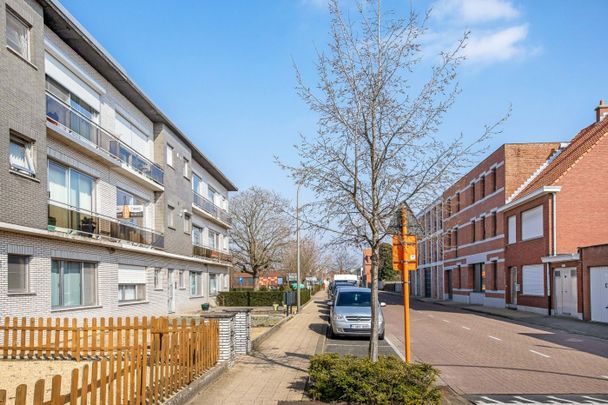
(330,332)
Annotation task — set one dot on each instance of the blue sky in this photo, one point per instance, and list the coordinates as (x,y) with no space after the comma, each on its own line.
(222,70)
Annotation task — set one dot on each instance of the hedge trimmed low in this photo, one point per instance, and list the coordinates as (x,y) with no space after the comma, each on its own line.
(358,380)
(258,298)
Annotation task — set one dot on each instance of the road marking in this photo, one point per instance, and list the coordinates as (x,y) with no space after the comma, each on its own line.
(539,353)
(492,401)
(445,320)
(604,376)
(465,327)
(595,399)
(561,399)
(525,399)
(495,338)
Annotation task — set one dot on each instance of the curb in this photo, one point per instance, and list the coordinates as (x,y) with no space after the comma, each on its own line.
(187,393)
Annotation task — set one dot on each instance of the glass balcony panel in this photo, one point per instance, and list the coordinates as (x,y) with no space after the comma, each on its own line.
(209,207)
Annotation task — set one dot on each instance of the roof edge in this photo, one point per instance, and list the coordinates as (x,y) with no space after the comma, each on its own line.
(529,197)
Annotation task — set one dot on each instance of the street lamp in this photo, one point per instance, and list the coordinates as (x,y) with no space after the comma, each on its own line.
(298,247)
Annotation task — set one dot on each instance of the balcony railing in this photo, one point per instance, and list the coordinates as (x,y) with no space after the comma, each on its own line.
(209,207)
(88,131)
(65,218)
(210,253)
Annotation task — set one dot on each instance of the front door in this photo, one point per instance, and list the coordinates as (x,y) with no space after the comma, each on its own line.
(599,293)
(450,287)
(513,285)
(565,291)
(427,283)
(170,292)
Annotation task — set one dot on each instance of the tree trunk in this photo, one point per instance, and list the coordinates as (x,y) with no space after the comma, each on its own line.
(256,282)
(373,340)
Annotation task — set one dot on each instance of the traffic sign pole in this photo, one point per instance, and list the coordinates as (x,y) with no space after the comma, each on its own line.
(406,284)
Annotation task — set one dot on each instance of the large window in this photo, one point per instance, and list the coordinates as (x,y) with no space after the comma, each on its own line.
(130,208)
(196,289)
(131,283)
(132,135)
(21,155)
(73,284)
(71,187)
(169,155)
(532,223)
(212,284)
(170,217)
(18,274)
(197,183)
(197,235)
(211,193)
(533,280)
(213,239)
(512,225)
(17,34)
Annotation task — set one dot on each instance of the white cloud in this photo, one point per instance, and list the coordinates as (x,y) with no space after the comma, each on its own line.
(497,46)
(320,4)
(474,11)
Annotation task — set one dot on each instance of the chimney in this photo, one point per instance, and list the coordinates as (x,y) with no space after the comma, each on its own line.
(601,111)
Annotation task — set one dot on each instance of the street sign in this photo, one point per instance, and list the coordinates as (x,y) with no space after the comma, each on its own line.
(292,276)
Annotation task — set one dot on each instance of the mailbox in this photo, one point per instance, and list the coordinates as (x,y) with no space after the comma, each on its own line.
(289,298)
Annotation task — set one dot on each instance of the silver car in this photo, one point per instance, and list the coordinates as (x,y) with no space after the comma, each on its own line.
(351,313)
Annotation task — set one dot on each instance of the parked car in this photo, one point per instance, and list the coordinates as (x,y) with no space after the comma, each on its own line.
(331,292)
(351,313)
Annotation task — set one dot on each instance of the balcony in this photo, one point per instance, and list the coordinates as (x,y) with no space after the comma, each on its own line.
(72,220)
(96,140)
(210,210)
(210,253)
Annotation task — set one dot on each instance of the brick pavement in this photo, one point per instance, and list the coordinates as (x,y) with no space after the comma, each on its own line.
(277,371)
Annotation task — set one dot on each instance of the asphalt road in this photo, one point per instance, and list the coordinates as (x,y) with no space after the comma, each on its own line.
(479,355)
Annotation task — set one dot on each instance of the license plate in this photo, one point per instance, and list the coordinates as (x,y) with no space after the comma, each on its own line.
(360,326)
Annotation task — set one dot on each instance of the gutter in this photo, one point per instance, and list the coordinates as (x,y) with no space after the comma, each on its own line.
(529,197)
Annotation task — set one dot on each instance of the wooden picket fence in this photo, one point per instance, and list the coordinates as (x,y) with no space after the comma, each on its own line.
(156,359)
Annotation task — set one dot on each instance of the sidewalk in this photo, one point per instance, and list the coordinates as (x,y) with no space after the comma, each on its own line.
(278,370)
(571,325)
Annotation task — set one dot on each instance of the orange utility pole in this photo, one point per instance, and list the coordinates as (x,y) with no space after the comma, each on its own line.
(404,260)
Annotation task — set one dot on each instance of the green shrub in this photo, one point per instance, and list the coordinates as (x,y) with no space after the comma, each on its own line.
(360,381)
(249,298)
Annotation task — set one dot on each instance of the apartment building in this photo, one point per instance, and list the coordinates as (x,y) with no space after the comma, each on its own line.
(559,209)
(473,228)
(106,207)
(428,280)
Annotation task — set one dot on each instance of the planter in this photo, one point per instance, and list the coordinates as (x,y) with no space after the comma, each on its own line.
(205,306)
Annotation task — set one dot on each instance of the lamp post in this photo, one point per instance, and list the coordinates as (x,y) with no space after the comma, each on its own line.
(298,247)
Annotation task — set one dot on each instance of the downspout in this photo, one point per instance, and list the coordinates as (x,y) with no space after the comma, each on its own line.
(553,248)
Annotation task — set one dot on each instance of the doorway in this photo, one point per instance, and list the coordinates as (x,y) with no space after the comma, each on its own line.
(427,283)
(599,293)
(514,287)
(170,292)
(450,286)
(565,291)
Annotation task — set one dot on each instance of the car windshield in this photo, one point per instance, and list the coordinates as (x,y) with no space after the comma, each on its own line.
(354,299)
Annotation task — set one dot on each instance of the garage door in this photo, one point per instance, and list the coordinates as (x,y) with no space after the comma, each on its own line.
(599,293)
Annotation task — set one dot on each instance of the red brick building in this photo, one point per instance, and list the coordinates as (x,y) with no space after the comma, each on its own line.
(561,207)
(473,247)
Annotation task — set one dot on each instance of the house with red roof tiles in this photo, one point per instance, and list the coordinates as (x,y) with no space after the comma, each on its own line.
(561,207)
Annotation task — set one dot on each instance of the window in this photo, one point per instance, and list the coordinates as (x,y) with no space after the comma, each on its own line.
(197,183)
(157,279)
(533,280)
(169,155)
(21,156)
(473,233)
(494,275)
(482,186)
(196,289)
(186,222)
(479,277)
(18,274)
(186,168)
(130,208)
(512,225)
(472,192)
(532,223)
(17,34)
(170,217)
(457,202)
(131,135)
(71,187)
(73,284)
(197,235)
(212,284)
(180,279)
(212,239)
(493,179)
(494,224)
(131,283)
(211,193)
(483,227)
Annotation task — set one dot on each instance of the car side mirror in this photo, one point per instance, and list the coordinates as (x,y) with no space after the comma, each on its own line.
(330,303)
(383,304)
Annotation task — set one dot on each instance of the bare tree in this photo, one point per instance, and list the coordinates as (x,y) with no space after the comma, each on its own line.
(311,257)
(343,260)
(260,230)
(377,145)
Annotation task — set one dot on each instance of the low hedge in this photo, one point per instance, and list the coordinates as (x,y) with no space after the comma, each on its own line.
(358,380)
(240,298)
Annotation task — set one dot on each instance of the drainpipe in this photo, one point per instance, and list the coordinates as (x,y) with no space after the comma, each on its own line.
(553,248)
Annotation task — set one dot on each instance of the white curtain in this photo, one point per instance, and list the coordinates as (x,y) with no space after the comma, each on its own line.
(58,183)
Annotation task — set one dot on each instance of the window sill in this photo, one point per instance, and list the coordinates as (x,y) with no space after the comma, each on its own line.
(53,310)
(158,289)
(533,238)
(187,178)
(182,288)
(25,176)
(17,54)
(20,294)
(192,297)
(171,227)
(129,303)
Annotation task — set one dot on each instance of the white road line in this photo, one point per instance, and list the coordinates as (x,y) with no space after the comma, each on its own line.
(395,348)
(445,320)
(601,401)
(526,399)
(492,401)
(465,327)
(495,338)
(539,353)
(604,376)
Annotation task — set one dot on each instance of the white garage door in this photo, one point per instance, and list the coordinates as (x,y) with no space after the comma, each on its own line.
(599,293)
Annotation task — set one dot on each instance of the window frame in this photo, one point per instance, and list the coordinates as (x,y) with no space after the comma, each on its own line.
(216,292)
(68,174)
(28,27)
(197,277)
(62,306)
(528,213)
(122,300)
(181,280)
(26,270)
(511,229)
(169,152)
(28,154)
(187,222)
(158,279)
(186,169)
(170,216)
